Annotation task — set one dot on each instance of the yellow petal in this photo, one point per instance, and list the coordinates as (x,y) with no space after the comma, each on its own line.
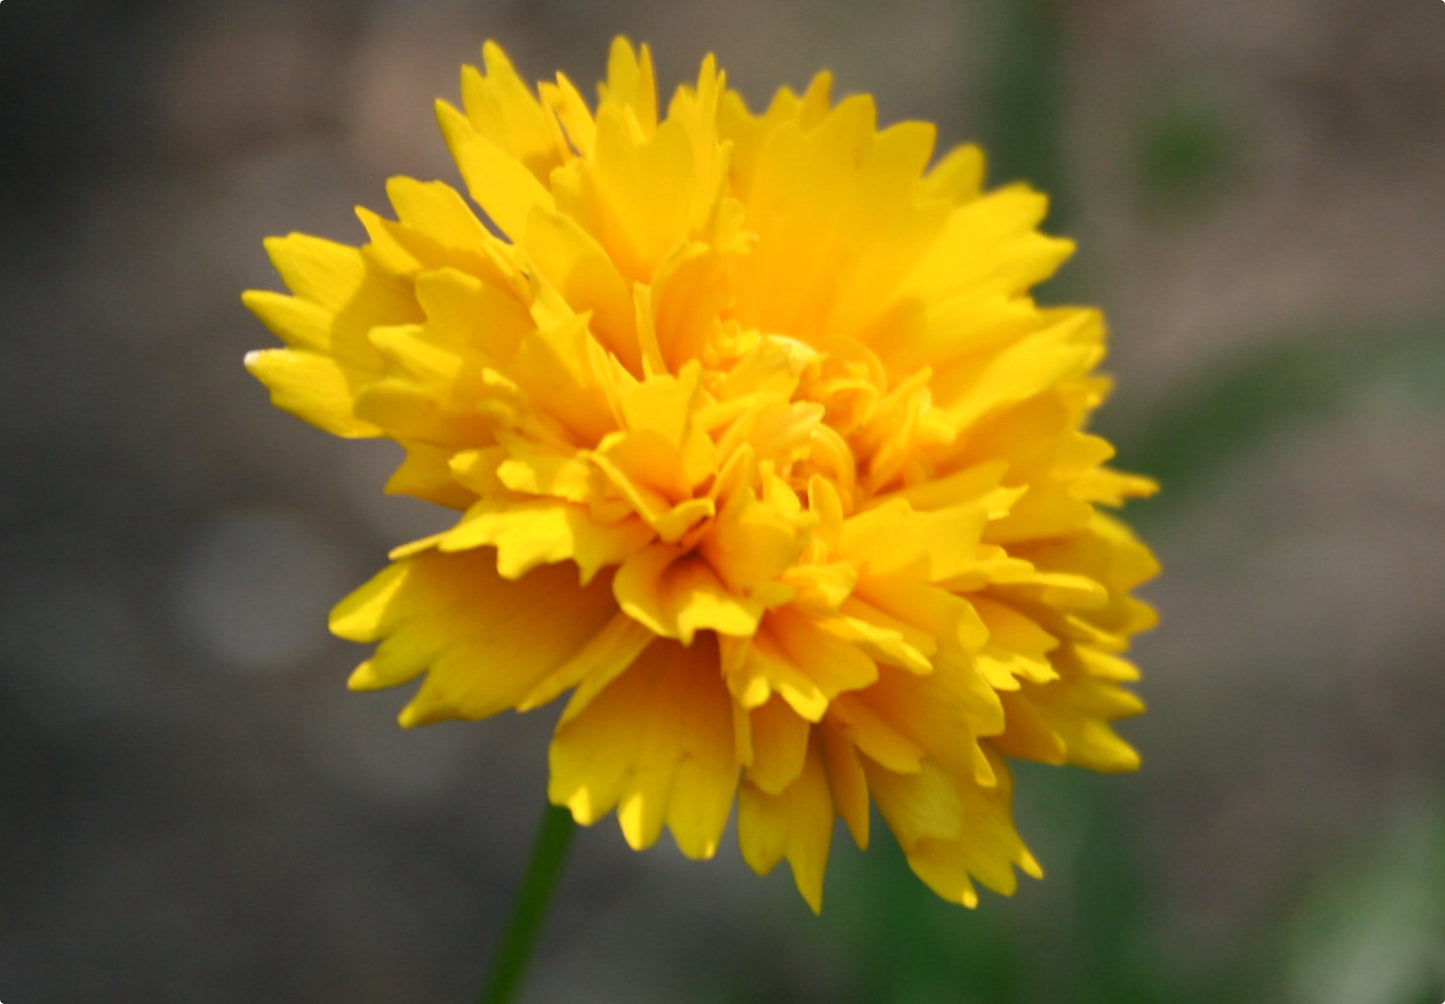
(435,228)
(1016,647)
(985,847)
(601,661)
(346,294)
(312,387)
(435,209)
(893,539)
(1067,719)
(582,272)
(921,805)
(1028,367)
(794,656)
(688,295)
(751,543)
(497,181)
(301,323)
(887,639)
(787,281)
(338,278)
(532,532)
(656,743)
(677,595)
(483,641)
(749,134)
(958,175)
(539,471)
(503,109)
(631,83)
(426,474)
(637,195)
(846,780)
(796,823)
(874,736)
(647,470)
(566,102)
(564,372)
(466,315)
(341,295)
(935,714)
(990,242)
(779,744)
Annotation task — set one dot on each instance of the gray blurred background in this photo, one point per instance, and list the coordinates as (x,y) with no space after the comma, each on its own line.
(192,807)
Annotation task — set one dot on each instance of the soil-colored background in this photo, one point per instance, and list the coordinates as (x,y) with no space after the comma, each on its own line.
(193,808)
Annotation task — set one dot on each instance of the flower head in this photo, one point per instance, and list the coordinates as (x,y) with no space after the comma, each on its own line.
(763,454)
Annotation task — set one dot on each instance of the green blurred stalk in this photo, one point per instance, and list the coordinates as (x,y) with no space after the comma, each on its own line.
(509,964)
(1025,91)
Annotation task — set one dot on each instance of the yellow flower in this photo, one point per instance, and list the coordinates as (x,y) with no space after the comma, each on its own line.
(762,450)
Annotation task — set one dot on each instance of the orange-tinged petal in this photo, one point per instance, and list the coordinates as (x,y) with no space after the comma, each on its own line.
(676,596)
(808,665)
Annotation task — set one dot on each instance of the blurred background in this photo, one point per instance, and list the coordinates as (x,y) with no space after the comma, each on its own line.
(192,807)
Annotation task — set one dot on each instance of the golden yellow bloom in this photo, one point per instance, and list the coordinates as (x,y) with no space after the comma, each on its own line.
(763,453)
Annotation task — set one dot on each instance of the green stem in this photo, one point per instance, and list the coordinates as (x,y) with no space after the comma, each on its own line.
(1027,96)
(509,964)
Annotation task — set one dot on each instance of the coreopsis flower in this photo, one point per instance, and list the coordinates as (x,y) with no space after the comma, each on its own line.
(762,453)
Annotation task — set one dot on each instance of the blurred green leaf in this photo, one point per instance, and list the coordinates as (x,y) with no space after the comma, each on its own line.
(1189,148)
(1290,377)
(913,947)
(1371,929)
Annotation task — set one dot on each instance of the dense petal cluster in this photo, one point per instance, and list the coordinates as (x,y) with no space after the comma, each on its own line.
(762,451)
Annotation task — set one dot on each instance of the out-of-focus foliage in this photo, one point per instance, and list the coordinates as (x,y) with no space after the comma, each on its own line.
(1295,377)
